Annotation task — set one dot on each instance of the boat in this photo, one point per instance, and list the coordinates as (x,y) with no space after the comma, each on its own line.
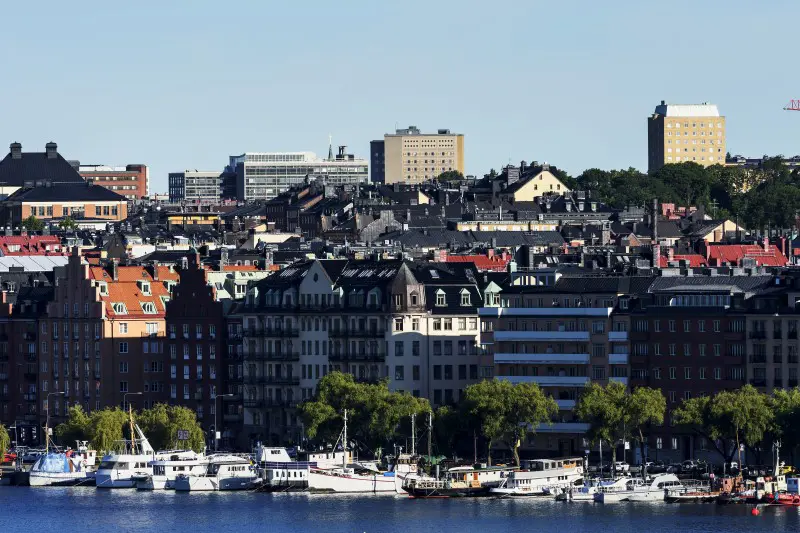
(125,469)
(166,469)
(459,482)
(657,489)
(278,472)
(56,469)
(541,477)
(618,491)
(223,472)
(583,492)
(787,500)
(691,491)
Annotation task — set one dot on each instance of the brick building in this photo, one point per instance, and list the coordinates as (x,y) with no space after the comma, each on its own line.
(130,181)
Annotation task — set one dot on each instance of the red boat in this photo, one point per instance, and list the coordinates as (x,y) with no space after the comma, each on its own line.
(791,500)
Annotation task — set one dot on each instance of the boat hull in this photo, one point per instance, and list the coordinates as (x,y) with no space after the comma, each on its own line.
(611,497)
(464,492)
(155,483)
(650,496)
(210,484)
(351,483)
(58,479)
(110,481)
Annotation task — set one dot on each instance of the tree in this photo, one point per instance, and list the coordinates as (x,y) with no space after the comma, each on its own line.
(728,419)
(67,223)
(5,442)
(33,224)
(507,412)
(106,428)
(604,409)
(786,405)
(373,412)
(77,427)
(450,175)
(645,406)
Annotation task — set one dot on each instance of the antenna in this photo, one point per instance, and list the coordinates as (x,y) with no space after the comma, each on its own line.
(330,147)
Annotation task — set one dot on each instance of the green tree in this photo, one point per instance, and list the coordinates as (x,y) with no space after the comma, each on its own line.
(605,410)
(77,427)
(106,428)
(373,412)
(728,419)
(5,442)
(450,175)
(786,405)
(33,224)
(506,412)
(645,406)
(161,423)
(67,223)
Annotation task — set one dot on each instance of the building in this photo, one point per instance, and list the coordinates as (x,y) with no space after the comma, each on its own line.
(195,186)
(21,169)
(261,176)
(377,162)
(130,181)
(412,156)
(55,201)
(682,133)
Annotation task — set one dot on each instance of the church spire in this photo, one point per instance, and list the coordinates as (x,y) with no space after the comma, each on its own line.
(330,147)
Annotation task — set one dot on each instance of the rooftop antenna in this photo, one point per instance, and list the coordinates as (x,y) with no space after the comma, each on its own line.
(330,147)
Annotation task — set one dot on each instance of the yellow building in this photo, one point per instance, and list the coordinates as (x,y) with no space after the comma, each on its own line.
(540,184)
(413,157)
(681,133)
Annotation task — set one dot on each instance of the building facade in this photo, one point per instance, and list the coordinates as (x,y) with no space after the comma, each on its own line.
(261,176)
(411,156)
(195,186)
(377,162)
(131,181)
(682,133)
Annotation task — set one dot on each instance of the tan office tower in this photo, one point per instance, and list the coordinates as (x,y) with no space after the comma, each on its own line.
(681,133)
(413,157)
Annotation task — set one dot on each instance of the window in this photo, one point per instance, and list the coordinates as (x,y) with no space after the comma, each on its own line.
(717,373)
(123,386)
(687,326)
(398,324)
(462,324)
(598,372)
(441,299)
(149,308)
(716,350)
(702,350)
(119,308)
(437,347)
(687,372)
(687,350)
(702,373)
(464,297)
(473,324)
(399,373)
(437,372)
(657,373)
(398,349)
(672,372)
(448,324)
(123,327)
(701,326)
(672,326)
(415,373)
(415,324)
(123,347)
(672,350)
(123,367)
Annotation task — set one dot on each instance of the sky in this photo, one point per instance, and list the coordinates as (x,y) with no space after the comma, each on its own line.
(180,84)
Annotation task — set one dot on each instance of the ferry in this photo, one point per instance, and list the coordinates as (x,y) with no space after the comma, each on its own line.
(541,477)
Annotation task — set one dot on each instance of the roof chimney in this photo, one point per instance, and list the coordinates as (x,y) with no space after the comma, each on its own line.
(16,150)
(51,149)
(114,266)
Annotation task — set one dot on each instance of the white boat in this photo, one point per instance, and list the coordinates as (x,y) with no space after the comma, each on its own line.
(349,480)
(223,472)
(541,477)
(166,469)
(656,490)
(57,469)
(584,492)
(619,491)
(118,471)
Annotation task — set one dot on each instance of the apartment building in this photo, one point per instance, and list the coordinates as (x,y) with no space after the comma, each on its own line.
(560,335)
(415,324)
(131,181)
(679,133)
(411,156)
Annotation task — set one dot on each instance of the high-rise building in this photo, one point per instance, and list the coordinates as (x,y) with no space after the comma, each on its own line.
(131,181)
(412,156)
(261,176)
(377,161)
(681,133)
(195,186)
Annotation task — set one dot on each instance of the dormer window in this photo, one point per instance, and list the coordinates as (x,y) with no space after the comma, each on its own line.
(149,308)
(103,288)
(465,300)
(414,298)
(441,298)
(144,286)
(119,308)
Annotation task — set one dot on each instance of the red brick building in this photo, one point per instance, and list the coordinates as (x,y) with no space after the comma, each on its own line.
(130,181)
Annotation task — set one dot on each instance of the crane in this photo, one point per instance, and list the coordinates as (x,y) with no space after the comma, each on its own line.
(793,105)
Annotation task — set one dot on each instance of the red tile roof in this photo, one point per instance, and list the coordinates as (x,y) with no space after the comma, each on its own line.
(126,290)
(482,262)
(734,253)
(695,260)
(16,245)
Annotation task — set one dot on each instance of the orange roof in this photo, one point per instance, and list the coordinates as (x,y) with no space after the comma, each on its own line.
(126,290)
(482,262)
(695,260)
(17,245)
(734,253)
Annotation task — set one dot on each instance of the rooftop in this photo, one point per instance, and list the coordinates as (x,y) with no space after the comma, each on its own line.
(687,110)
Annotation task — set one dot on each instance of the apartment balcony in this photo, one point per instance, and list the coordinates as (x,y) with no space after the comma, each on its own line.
(623,380)
(566,405)
(757,358)
(549,381)
(375,357)
(30,376)
(617,336)
(758,382)
(366,332)
(757,335)
(232,398)
(557,336)
(542,358)
(617,359)
(254,404)
(280,332)
(577,428)
(235,417)
(791,334)
(544,312)
(272,356)
(777,334)
(281,380)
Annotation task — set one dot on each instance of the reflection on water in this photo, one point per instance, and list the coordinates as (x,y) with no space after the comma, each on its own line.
(88,509)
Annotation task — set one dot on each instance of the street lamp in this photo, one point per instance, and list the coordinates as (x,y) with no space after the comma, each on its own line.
(216,440)
(125,397)
(47,421)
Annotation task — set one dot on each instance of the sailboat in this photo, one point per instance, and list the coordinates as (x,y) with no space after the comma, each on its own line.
(60,469)
(122,470)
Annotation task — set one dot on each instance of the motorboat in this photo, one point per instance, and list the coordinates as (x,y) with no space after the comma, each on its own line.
(348,479)
(57,469)
(460,481)
(584,492)
(277,471)
(168,466)
(123,470)
(657,489)
(618,491)
(223,472)
(540,477)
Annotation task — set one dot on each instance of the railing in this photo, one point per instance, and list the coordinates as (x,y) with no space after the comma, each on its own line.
(4,357)
(254,403)
(375,357)
(282,380)
(777,358)
(758,382)
(777,334)
(272,356)
(757,358)
(791,334)
(758,335)
(30,376)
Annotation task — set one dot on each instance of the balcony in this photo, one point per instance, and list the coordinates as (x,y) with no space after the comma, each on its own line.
(566,405)
(30,376)
(757,358)
(497,312)
(235,417)
(791,334)
(274,356)
(29,397)
(542,358)
(234,398)
(758,335)
(29,336)
(4,357)
(617,359)
(617,336)
(375,357)
(777,334)
(254,403)
(549,381)
(281,332)
(564,427)
(758,382)
(282,380)
(623,380)
(562,336)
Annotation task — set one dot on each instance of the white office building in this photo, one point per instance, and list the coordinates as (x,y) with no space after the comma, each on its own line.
(195,186)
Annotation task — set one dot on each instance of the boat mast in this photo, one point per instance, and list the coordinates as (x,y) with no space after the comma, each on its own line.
(133,435)
(413,435)
(344,441)
(430,435)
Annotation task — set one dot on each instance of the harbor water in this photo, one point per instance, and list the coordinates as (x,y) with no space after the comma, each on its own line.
(87,509)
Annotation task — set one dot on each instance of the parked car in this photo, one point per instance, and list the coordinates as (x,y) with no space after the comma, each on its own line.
(622,467)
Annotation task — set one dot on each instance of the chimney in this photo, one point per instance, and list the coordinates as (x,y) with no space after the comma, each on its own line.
(51,149)
(155,271)
(16,150)
(223,259)
(671,254)
(656,247)
(408,215)
(114,266)
(766,243)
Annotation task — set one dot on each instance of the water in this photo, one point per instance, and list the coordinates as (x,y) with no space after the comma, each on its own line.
(77,510)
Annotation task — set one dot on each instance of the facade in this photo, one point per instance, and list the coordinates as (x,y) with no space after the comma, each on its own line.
(411,156)
(130,181)
(377,162)
(682,133)
(54,201)
(21,169)
(195,186)
(261,176)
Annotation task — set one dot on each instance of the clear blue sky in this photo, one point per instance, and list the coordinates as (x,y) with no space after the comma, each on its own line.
(179,84)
